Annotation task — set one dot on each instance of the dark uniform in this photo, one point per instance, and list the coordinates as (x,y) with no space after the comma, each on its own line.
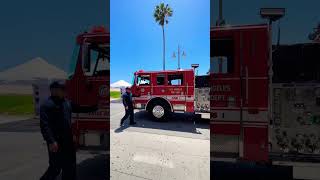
(55,123)
(127,102)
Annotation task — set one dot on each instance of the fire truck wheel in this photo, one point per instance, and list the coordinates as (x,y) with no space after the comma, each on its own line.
(159,111)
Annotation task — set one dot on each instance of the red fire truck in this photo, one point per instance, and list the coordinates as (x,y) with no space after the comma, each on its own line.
(254,119)
(88,85)
(164,92)
(239,103)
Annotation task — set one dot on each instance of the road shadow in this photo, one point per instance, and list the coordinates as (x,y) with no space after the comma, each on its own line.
(182,122)
(30,125)
(96,168)
(247,170)
(121,128)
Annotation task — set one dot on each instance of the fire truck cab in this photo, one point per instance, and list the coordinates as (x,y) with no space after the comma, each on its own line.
(163,92)
(88,85)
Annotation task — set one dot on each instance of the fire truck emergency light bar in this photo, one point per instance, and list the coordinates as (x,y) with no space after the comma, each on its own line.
(272,13)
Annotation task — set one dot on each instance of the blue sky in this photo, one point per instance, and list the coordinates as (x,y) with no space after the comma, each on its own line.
(136,39)
(301,16)
(37,28)
(47,29)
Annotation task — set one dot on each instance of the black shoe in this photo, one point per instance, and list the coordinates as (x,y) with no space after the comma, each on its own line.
(133,123)
(121,124)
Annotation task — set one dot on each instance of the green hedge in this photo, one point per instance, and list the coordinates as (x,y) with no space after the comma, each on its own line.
(115,94)
(16,104)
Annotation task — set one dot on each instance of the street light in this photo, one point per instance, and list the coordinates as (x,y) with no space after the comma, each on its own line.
(272,15)
(179,52)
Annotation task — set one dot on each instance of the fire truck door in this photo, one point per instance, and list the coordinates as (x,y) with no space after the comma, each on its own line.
(144,83)
(176,90)
(100,77)
(94,87)
(159,85)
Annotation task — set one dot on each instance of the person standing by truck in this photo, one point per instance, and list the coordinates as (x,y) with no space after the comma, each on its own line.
(56,129)
(128,105)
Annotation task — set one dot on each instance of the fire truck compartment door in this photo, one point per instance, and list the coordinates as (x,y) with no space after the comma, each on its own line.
(256,143)
(226,146)
(202,99)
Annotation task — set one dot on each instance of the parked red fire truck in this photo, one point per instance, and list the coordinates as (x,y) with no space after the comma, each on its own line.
(254,119)
(164,92)
(88,85)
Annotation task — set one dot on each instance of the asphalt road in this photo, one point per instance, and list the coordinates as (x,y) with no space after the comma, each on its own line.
(23,154)
(151,150)
(180,124)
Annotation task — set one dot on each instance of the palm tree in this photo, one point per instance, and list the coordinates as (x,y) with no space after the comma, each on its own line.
(315,35)
(161,14)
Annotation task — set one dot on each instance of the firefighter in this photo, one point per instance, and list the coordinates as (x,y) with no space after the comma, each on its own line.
(55,124)
(128,105)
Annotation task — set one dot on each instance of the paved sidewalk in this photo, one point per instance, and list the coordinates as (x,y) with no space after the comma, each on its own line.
(13,118)
(140,156)
(23,153)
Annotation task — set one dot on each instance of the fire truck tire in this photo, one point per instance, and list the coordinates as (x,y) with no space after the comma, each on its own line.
(159,110)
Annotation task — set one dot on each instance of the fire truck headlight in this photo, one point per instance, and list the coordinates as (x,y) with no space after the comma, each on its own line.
(138,106)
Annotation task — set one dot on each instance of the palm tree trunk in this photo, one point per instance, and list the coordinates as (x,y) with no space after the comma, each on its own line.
(164,49)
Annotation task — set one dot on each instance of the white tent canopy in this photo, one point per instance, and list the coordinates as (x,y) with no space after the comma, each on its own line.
(120,84)
(36,68)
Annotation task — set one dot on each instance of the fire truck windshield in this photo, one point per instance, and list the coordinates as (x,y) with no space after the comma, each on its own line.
(95,61)
(143,80)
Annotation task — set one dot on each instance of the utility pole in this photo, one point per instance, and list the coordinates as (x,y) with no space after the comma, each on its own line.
(220,20)
(179,53)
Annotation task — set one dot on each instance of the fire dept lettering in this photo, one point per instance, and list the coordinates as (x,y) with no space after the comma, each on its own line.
(218,98)
(97,114)
(221,88)
(175,90)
